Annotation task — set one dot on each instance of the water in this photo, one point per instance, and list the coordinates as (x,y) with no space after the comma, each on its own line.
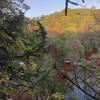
(78,94)
(75,93)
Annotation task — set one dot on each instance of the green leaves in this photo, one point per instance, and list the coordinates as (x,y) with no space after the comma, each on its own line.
(56,96)
(21,50)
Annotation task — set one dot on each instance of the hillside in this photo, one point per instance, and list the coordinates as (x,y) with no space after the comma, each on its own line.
(78,20)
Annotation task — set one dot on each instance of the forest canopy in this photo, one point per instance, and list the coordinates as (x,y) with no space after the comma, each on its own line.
(51,58)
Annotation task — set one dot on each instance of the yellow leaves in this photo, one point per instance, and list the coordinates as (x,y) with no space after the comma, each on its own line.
(34,66)
(65,18)
(31,63)
(72,29)
(56,27)
(56,96)
(88,24)
(78,20)
(3,79)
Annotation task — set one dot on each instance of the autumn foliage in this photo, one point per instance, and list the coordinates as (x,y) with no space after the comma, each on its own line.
(52,51)
(69,66)
(78,20)
(88,54)
(56,28)
(58,75)
(22,96)
(94,50)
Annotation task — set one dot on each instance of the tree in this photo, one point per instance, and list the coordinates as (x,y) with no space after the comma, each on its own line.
(20,51)
(84,65)
(24,64)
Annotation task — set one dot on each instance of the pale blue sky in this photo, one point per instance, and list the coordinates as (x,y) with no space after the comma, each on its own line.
(44,7)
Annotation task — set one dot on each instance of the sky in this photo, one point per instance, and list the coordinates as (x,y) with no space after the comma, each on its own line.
(45,7)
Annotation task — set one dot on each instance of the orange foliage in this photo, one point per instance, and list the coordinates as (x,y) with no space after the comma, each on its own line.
(56,28)
(82,20)
(65,18)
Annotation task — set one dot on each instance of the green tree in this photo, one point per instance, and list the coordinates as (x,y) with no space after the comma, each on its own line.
(20,51)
